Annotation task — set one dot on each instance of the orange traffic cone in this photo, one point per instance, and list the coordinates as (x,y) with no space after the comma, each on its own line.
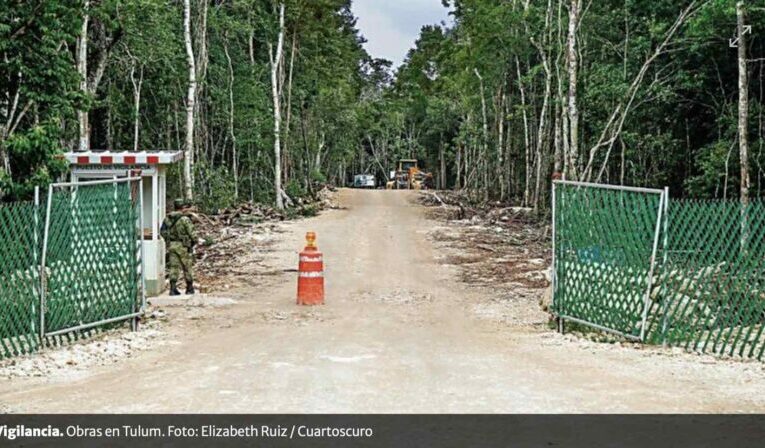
(310,289)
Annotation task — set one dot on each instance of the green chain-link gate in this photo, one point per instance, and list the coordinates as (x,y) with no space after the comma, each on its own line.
(709,295)
(605,241)
(20,242)
(78,259)
(677,272)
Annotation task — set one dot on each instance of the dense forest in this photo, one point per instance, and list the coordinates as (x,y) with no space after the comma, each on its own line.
(269,99)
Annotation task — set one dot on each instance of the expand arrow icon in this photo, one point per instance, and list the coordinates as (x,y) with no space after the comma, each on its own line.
(733,41)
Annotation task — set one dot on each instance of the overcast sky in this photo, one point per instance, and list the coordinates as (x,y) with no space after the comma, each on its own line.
(392,26)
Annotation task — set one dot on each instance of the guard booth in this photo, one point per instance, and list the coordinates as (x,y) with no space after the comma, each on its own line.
(152,166)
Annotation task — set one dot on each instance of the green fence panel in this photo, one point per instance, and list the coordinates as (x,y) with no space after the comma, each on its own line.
(706,292)
(709,296)
(20,239)
(604,243)
(91,258)
(88,272)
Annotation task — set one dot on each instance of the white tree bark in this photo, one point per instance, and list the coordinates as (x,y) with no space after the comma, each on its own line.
(743,104)
(500,150)
(573,111)
(234,154)
(12,117)
(188,186)
(276,59)
(137,84)
(743,123)
(82,70)
(561,128)
(202,61)
(555,112)
(526,140)
(542,131)
(485,137)
(541,139)
(288,107)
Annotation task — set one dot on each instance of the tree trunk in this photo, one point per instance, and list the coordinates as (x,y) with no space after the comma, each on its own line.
(188,185)
(743,104)
(542,126)
(137,83)
(573,111)
(485,137)
(526,141)
(562,148)
(288,106)
(234,155)
(458,163)
(82,70)
(501,148)
(202,140)
(442,161)
(12,120)
(275,62)
(541,133)
(743,122)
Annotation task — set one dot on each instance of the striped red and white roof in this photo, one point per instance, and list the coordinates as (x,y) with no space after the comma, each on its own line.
(123,158)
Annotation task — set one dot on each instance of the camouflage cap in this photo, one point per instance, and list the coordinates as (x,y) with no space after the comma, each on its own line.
(180,203)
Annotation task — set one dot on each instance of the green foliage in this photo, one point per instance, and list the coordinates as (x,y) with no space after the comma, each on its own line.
(318,177)
(218,192)
(295,189)
(36,91)
(714,161)
(36,159)
(469,100)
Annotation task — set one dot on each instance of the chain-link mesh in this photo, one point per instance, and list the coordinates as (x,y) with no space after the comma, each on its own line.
(709,294)
(20,240)
(604,243)
(92,271)
(707,291)
(90,267)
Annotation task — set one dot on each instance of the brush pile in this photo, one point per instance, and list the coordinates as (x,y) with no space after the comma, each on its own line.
(232,242)
(457,205)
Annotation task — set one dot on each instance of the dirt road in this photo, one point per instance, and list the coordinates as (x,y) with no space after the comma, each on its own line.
(399,333)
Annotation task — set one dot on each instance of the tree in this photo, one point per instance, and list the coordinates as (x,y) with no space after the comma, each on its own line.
(634,92)
(276,62)
(743,103)
(38,92)
(190,104)
(743,121)
(573,109)
(82,70)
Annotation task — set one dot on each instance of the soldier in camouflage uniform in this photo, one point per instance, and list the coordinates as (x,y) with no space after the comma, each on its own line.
(178,232)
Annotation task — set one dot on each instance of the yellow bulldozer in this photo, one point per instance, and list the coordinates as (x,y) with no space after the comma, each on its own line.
(409,176)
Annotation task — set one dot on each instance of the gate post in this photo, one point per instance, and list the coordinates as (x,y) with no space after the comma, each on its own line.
(553,267)
(646,304)
(142,307)
(43,276)
(36,253)
(665,244)
(554,285)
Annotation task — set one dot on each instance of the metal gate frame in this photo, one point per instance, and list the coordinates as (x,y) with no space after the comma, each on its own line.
(661,217)
(138,310)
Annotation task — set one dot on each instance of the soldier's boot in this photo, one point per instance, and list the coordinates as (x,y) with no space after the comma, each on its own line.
(190,288)
(174,289)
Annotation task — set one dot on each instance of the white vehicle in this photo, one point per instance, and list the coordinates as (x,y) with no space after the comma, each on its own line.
(364,181)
